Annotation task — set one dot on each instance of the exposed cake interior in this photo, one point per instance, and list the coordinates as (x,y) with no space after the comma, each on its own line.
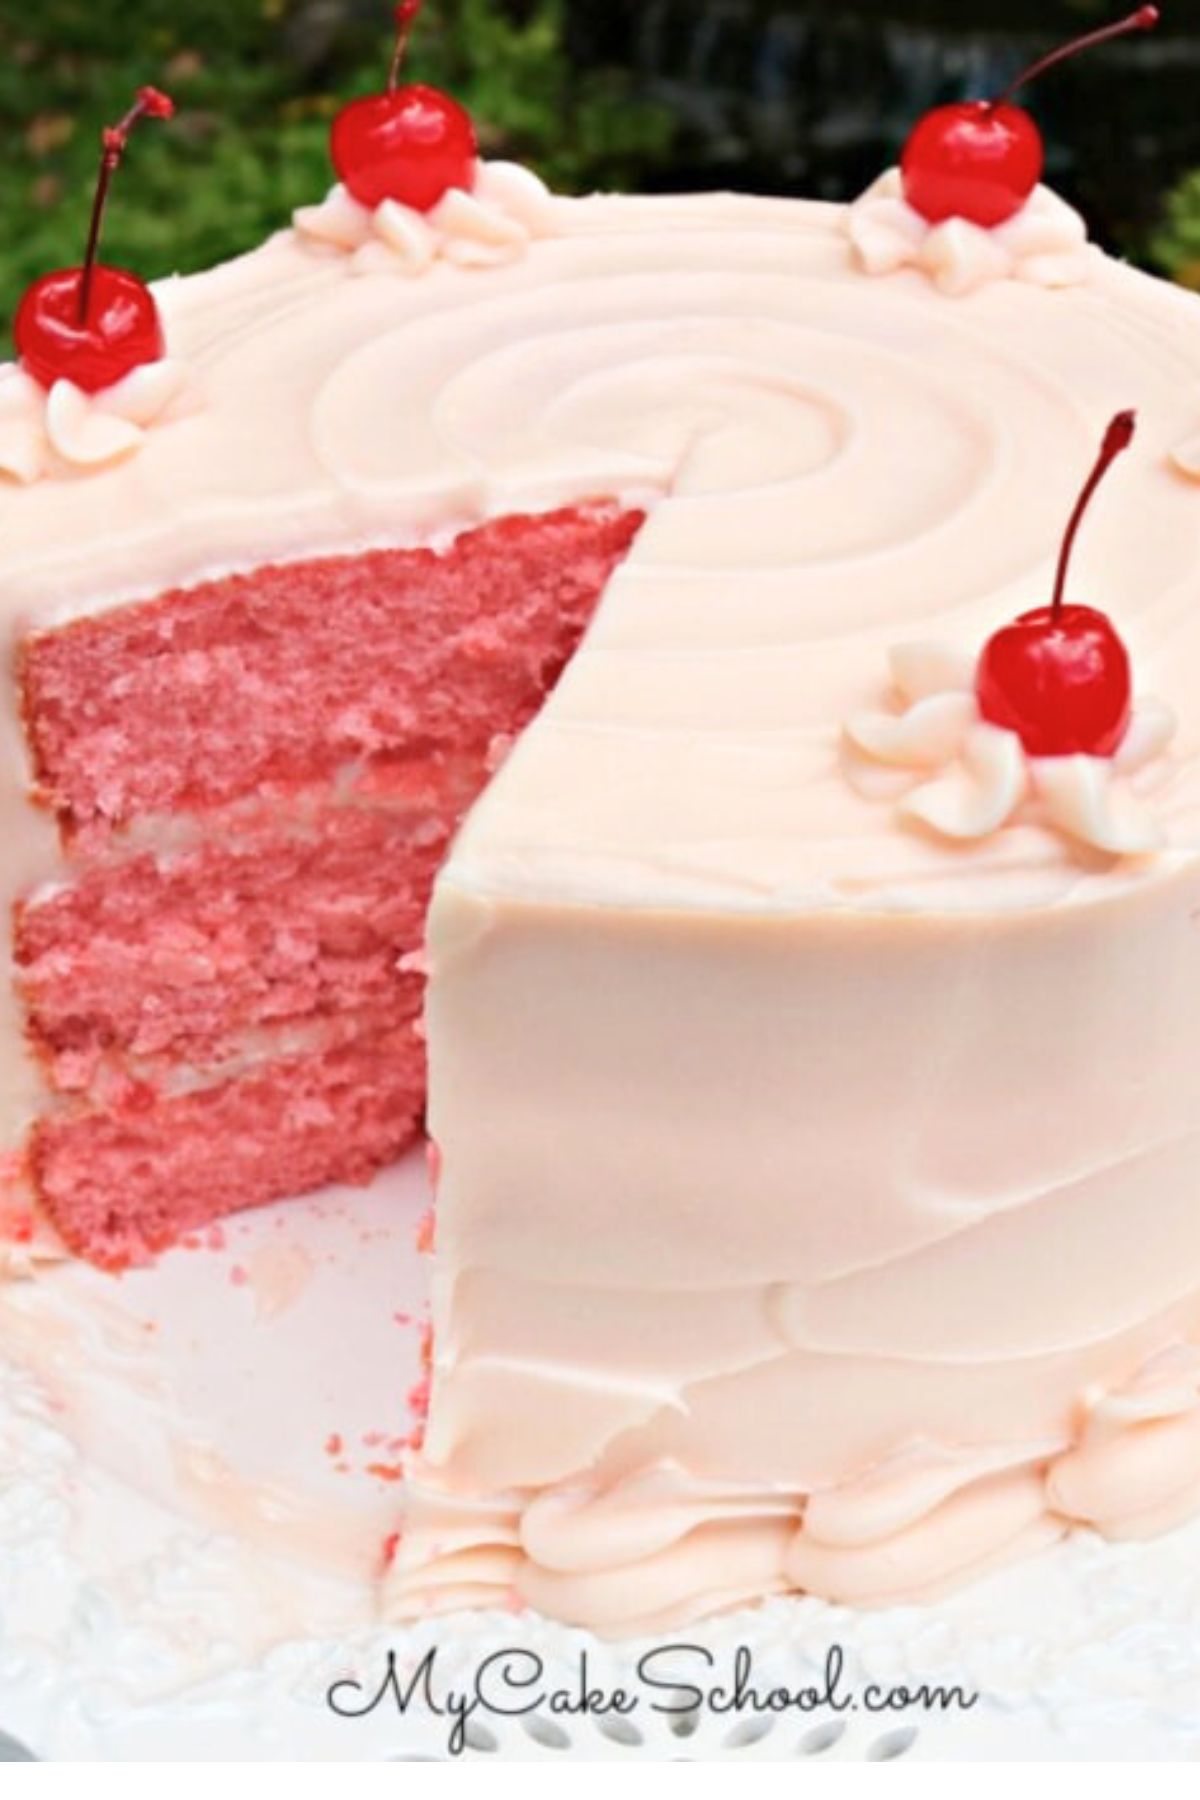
(256,780)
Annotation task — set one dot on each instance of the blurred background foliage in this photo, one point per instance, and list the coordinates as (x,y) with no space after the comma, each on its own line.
(792,96)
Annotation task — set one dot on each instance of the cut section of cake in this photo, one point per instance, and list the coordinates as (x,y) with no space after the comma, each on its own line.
(255,780)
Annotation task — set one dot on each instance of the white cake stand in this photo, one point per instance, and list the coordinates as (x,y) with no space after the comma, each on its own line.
(197,1478)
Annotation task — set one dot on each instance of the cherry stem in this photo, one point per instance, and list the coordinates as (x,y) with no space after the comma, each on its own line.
(149,104)
(1117,439)
(1144,19)
(406,16)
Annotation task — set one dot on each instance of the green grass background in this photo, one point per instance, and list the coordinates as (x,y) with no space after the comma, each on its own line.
(256,83)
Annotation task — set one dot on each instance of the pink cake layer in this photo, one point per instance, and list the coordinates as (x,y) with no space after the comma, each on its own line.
(294,672)
(291,918)
(256,780)
(125,1184)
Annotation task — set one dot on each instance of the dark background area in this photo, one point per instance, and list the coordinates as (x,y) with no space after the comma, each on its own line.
(814,98)
(783,96)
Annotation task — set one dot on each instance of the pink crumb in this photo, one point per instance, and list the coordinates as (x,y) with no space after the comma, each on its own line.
(238,1276)
(333,1444)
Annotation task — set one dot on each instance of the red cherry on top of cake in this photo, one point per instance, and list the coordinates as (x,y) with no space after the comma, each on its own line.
(411,144)
(1059,676)
(94,325)
(981,159)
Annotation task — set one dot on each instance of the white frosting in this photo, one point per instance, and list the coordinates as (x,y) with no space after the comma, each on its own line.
(66,429)
(658,1548)
(493,224)
(793,1214)
(971,778)
(1046,243)
(1186,456)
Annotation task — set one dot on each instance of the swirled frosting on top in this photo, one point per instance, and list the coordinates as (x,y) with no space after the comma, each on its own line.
(1044,243)
(837,466)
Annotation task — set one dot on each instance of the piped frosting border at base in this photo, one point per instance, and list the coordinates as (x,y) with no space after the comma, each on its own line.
(661,1548)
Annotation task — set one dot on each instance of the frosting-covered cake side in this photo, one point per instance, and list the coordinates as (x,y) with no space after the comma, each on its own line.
(869,1193)
(844,1307)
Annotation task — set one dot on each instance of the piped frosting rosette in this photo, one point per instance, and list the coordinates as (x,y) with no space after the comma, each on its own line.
(63,429)
(964,779)
(494,224)
(1045,243)
(1186,456)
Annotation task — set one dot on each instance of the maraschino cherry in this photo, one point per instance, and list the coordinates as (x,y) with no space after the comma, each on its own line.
(411,144)
(982,159)
(95,324)
(1059,676)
